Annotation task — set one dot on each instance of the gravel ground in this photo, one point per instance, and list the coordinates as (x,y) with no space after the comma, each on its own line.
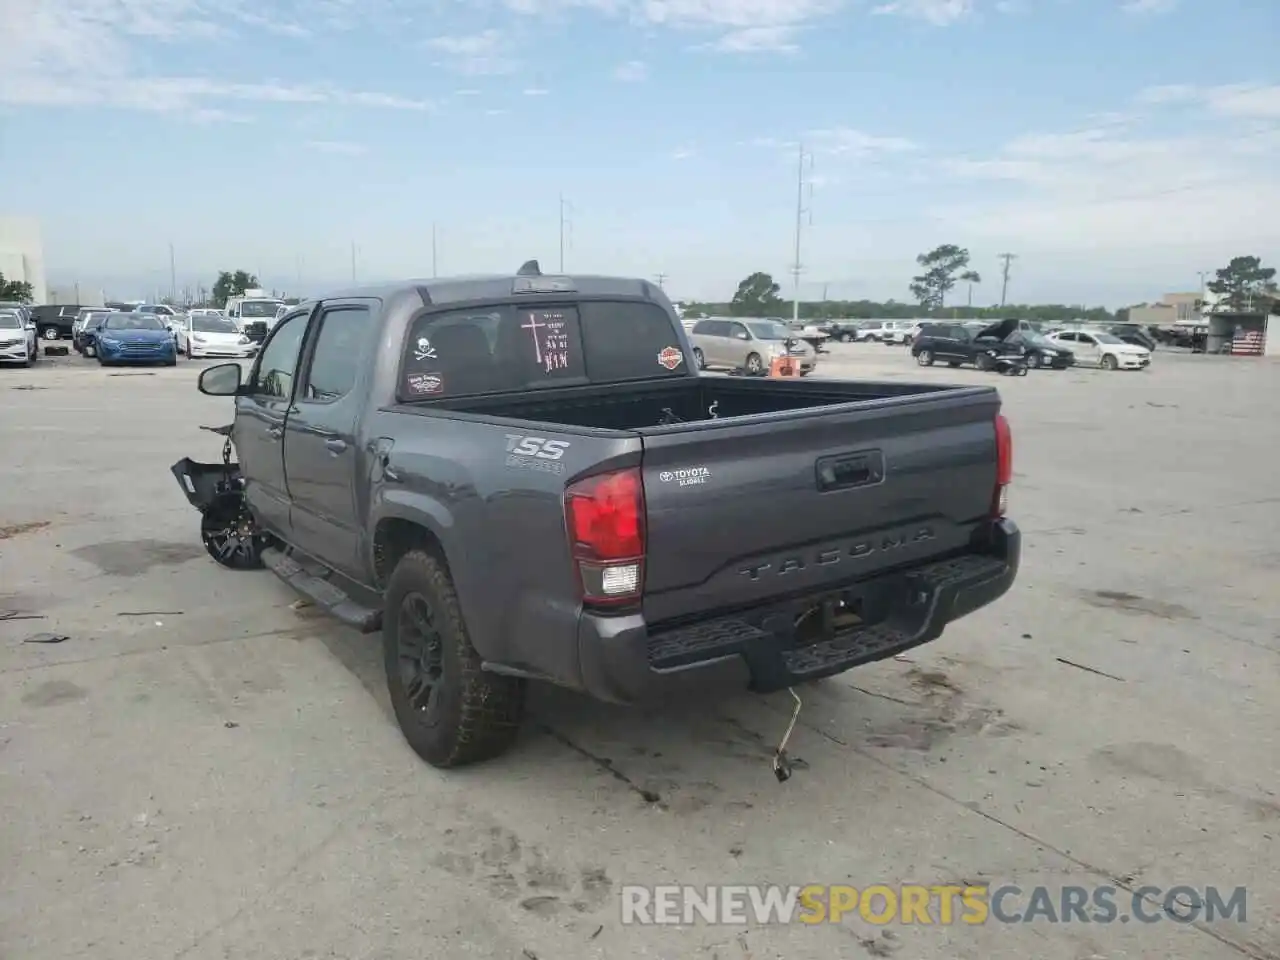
(202,771)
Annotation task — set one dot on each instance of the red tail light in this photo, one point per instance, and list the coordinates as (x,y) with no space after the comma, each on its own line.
(605,517)
(1004,467)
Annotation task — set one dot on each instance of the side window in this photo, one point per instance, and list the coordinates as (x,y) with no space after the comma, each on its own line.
(338,351)
(702,327)
(628,341)
(716,328)
(1085,338)
(738,331)
(274,376)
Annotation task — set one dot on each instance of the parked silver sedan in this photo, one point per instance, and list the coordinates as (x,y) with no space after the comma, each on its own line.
(746,344)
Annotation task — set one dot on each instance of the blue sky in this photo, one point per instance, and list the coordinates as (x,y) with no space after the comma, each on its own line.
(1117,147)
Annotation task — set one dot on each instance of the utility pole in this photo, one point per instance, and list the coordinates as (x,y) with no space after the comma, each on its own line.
(434,270)
(565,207)
(804,160)
(173,276)
(662,279)
(1007,259)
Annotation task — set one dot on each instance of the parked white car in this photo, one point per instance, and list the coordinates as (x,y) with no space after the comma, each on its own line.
(1102,350)
(896,332)
(17,339)
(201,335)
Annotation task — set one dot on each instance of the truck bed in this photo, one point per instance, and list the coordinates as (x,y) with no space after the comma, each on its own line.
(757,489)
(646,407)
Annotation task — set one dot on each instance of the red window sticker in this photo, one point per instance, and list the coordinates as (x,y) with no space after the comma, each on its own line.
(424,383)
(670,357)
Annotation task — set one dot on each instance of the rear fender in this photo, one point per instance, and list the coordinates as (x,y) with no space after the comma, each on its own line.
(207,485)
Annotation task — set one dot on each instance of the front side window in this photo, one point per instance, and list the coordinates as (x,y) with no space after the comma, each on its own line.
(338,353)
(279,361)
(768,330)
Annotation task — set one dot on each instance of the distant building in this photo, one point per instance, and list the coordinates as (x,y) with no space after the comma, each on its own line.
(1172,308)
(22,254)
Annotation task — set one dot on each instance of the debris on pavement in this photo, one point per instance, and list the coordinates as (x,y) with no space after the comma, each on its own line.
(16,528)
(1081,666)
(19,615)
(150,613)
(46,638)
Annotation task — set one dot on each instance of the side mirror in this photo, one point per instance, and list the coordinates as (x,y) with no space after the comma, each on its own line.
(743,335)
(221,381)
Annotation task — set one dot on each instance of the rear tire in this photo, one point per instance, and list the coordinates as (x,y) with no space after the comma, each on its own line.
(925,358)
(983,362)
(846,338)
(450,711)
(699,358)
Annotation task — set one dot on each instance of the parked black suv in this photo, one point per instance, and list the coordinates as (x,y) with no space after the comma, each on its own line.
(54,320)
(955,343)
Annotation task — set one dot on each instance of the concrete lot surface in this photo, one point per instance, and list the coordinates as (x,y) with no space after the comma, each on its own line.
(202,771)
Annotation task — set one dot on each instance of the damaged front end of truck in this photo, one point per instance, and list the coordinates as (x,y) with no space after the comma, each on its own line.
(227,527)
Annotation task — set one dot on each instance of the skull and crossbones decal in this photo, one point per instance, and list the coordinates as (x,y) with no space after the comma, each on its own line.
(424,351)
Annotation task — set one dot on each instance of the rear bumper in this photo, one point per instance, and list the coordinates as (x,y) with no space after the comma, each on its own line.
(622,661)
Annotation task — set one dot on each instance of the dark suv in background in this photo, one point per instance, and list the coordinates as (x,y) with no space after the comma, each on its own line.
(54,320)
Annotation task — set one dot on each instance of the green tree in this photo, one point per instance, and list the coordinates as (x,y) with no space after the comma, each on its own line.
(757,296)
(232,284)
(18,290)
(1244,285)
(941,265)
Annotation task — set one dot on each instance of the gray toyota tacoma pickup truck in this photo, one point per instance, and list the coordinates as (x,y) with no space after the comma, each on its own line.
(524,477)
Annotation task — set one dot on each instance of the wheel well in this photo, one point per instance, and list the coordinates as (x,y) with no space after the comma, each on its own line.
(393,538)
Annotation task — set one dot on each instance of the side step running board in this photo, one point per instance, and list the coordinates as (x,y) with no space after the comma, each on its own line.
(321,592)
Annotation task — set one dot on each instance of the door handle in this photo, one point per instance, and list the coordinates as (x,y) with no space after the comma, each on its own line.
(335,446)
(275,433)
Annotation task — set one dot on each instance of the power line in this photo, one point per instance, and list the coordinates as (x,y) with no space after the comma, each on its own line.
(1007,259)
(804,160)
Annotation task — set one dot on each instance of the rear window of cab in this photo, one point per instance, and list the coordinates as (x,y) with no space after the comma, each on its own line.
(517,347)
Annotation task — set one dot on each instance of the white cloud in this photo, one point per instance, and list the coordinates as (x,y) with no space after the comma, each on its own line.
(342,147)
(466,93)
(633,71)
(1148,6)
(764,39)
(77,52)
(535,91)
(1253,101)
(476,54)
(1110,191)
(940,13)
(847,141)
(683,153)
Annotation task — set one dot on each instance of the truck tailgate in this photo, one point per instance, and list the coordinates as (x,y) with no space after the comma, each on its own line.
(751,509)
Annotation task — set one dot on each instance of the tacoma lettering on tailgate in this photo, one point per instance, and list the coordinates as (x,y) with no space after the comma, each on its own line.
(830,556)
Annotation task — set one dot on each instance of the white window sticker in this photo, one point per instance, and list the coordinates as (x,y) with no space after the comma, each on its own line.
(424,351)
(686,478)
